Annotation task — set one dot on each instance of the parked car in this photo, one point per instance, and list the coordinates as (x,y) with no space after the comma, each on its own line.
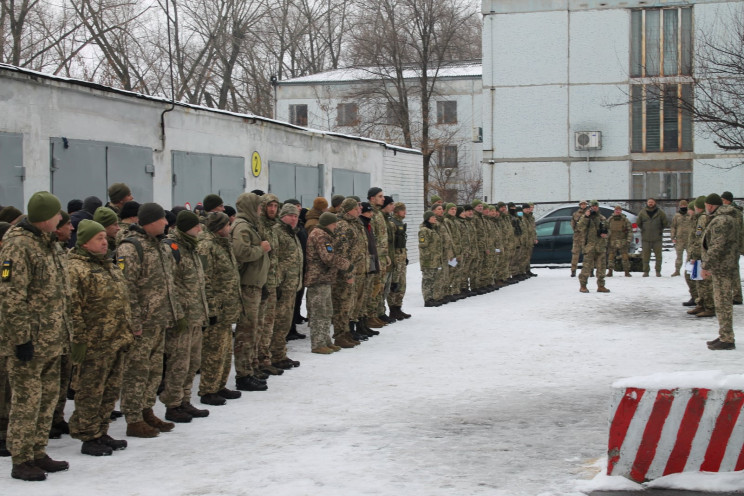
(607,211)
(554,240)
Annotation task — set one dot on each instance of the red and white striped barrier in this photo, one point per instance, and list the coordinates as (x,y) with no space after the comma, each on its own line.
(657,430)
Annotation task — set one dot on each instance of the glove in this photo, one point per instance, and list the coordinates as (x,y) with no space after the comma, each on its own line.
(181,325)
(264,293)
(77,352)
(406,261)
(394,287)
(25,352)
(213,320)
(278,293)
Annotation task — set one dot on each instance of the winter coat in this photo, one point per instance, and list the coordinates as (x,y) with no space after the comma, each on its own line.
(430,247)
(189,279)
(246,242)
(721,241)
(323,261)
(221,277)
(652,224)
(289,257)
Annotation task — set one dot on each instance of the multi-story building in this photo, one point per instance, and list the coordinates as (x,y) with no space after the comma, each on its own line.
(356,101)
(582,99)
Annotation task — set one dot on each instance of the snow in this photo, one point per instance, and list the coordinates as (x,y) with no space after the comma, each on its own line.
(505,394)
(348,74)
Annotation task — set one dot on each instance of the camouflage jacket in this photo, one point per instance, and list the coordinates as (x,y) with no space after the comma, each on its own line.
(466,241)
(266,230)
(221,277)
(480,233)
(721,241)
(99,302)
(695,241)
(576,217)
(350,242)
(454,233)
(152,291)
(400,236)
(322,259)
(34,294)
(507,231)
(619,228)
(289,256)
(390,237)
(448,250)
(189,279)
(682,224)
(246,242)
(589,228)
(430,247)
(379,229)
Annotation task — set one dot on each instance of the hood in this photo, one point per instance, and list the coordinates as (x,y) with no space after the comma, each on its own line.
(265,200)
(247,206)
(726,210)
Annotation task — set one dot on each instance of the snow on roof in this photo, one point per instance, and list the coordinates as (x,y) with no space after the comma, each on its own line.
(472,69)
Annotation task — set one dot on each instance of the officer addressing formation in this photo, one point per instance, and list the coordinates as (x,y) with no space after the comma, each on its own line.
(117,303)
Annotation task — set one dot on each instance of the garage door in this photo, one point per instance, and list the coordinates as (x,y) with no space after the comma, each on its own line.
(11,170)
(295,181)
(195,175)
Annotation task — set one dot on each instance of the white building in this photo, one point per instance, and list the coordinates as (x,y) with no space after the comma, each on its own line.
(75,138)
(351,101)
(555,68)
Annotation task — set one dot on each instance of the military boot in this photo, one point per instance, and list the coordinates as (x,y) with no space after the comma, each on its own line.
(408,315)
(374,323)
(271,370)
(322,350)
(675,273)
(721,345)
(343,342)
(689,303)
(197,412)
(356,335)
(95,447)
(696,310)
(178,415)
(627,274)
(141,429)
(212,399)
(48,465)
(114,444)
(370,332)
(573,271)
(706,313)
(156,422)
(602,289)
(583,289)
(228,394)
(249,383)
(27,471)
(609,273)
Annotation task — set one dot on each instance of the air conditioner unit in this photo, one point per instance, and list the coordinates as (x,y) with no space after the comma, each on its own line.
(477,135)
(588,140)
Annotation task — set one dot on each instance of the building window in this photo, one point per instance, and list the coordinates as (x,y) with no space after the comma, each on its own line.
(348,114)
(447,112)
(661,42)
(660,122)
(666,179)
(298,115)
(447,156)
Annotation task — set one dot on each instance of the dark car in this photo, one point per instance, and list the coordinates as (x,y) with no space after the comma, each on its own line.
(607,211)
(554,241)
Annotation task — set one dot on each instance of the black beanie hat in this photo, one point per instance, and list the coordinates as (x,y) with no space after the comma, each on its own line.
(91,203)
(229,211)
(149,213)
(727,195)
(211,202)
(186,220)
(387,201)
(373,191)
(366,207)
(336,200)
(74,205)
(129,209)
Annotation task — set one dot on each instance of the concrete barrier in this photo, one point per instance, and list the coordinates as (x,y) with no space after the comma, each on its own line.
(657,429)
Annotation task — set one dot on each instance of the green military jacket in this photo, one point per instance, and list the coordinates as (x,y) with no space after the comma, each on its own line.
(221,277)
(682,224)
(379,229)
(695,241)
(289,257)
(246,242)
(430,247)
(266,230)
(589,228)
(189,279)
(454,233)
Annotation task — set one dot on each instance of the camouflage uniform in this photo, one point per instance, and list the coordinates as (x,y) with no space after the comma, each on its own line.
(350,243)
(680,233)
(736,274)
(529,220)
(578,241)
(481,247)
(620,236)
(431,261)
(466,255)
(322,264)
(455,239)
(254,268)
(289,281)
(375,303)
(720,256)
(183,349)
(267,310)
(102,321)
(400,262)
(222,287)
(34,306)
(391,253)
(518,237)
(506,236)
(155,307)
(595,248)
(448,252)
(703,292)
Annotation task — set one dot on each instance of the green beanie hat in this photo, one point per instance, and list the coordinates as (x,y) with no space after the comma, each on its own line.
(105,216)
(42,206)
(336,200)
(326,219)
(211,202)
(714,199)
(435,198)
(428,215)
(118,191)
(448,206)
(476,202)
(700,202)
(86,230)
(149,213)
(500,204)
(186,220)
(65,219)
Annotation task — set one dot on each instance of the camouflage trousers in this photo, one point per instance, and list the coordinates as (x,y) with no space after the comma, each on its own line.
(691,286)
(679,247)
(143,371)
(722,291)
(285,300)
(65,379)
(453,278)
(342,297)
(648,247)
(246,332)
(615,247)
(319,314)
(515,266)
(386,281)
(430,287)
(98,381)
(736,278)
(216,358)
(266,319)
(524,257)
(528,256)
(35,386)
(395,298)
(4,397)
(705,296)
(183,358)
(373,293)
(361,279)
(476,266)
(576,250)
(593,259)
(443,281)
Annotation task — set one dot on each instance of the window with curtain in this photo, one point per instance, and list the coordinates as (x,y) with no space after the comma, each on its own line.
(298,115)
(347,114)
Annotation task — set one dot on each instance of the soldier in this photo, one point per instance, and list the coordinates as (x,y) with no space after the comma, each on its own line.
(148,268)
(728,199)
(222,287)
(578,241)
(110,222)
(101,334)
(720,254)
(517,247)
(371,282)
(481,248)
(387,212)
(375,300)
(431,260)
(289,280)
(529,219)
(448,222)
(128,216)
(322,264)
(64,230)
(620,236)
(652,221)
(467,238)
(213,203)
(183,347)
(336,201)
(252,254)
(509,244)
(680,233)
(400,262)
(267,310)
(34,333)
(119,194)
(593,229)
(11,215)
(703,288)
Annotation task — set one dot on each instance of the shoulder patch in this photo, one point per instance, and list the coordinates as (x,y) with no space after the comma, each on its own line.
(329,248)
(120,262)
(422,238)
(7,270)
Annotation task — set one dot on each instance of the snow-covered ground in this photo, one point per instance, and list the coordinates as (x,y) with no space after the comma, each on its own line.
(501,394)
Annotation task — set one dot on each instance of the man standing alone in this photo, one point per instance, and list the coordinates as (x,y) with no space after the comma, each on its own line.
(652,221)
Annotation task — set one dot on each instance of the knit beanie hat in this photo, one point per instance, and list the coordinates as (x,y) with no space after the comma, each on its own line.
(700,202)
(289,209)
(294,201)
(355,197)
(42,206)
(91,203)
(336,200)
(86,229)
(105,216)
(216,221)
(129,209)
(326,219)
(435,199)
(229,211)
(476,202)
(9,214)
(373,191)
(65,219)
(211,202)
(366,207)
(149,213)
(467,208)
(118,191)
(727,195)
(320,204)
(428,215)
(399,206)
(74,205)
(714,199)
(387,201)
(448,206)
(186,220)
(459,211)
(348,205)
(500,204)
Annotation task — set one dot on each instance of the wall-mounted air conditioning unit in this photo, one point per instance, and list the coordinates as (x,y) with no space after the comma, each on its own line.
(588,140)
(477,135)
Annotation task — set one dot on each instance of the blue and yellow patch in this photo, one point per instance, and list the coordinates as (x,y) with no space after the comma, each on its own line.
(120,263)
(7,270)
(329,248)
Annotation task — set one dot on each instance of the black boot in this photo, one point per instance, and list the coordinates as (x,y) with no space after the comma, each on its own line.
(356,335)
(249,383)
(95,447)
